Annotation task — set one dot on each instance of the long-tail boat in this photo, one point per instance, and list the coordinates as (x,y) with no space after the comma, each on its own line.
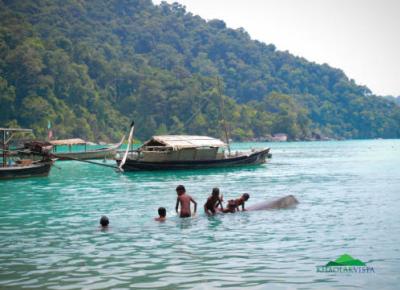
(21,168)
(171,152)
(99,153)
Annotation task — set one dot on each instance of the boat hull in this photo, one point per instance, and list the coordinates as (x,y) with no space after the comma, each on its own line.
(34,170)
(254,158)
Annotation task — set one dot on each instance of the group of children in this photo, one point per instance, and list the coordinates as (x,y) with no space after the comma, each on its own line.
(211,207)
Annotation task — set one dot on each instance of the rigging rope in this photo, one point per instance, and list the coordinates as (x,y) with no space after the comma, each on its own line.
(205,101)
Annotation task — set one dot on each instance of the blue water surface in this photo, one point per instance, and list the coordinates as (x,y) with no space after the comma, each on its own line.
(349,195)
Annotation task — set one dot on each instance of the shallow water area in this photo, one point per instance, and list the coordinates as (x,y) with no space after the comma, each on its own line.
(349,195)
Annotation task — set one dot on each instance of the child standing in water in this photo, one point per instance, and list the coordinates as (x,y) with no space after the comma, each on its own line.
(162,212)
(213,202)
(184,200)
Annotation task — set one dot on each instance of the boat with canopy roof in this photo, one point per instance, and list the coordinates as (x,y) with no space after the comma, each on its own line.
(171,152)
(85,154)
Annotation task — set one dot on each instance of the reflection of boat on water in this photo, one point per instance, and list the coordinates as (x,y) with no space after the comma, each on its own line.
(172,152)
(100,153)
(24,167)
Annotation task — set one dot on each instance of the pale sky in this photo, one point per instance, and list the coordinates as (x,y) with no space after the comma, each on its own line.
(361,37)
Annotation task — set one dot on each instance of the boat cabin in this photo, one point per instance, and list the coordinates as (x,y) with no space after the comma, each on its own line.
(181,148)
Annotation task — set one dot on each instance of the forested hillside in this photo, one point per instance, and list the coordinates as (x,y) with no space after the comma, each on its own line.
(396,100)
(90,67)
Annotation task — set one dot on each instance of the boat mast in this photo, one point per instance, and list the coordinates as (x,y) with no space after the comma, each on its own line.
(223,117)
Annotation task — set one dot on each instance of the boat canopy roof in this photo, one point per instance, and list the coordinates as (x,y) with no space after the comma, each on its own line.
(75,141)
(184,141)
(16,130)
(8,133)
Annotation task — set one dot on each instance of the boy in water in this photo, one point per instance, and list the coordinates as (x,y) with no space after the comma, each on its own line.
(104,222)
(184,200)
(233,204)
(162,212)
(213,202)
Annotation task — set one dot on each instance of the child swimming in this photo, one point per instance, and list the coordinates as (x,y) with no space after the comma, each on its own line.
(162,212)
(233,204)
(104,222)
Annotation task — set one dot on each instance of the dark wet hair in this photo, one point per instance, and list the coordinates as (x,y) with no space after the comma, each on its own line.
(180,188)
(104,221)
(246,196)
(215,191)
(162,211)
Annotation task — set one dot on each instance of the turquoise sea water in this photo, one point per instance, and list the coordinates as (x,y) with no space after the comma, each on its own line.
(349,195)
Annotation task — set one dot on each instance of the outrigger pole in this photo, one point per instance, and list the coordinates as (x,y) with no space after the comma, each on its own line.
(85,161)
(223,117)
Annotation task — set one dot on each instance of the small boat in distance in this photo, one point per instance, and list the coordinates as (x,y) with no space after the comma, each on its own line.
(21,168)
(99,153)
(171,152)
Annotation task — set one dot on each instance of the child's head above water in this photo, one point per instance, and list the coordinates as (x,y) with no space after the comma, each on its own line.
(104,221)
(246,196)
(180,189)
(162,212)
(215,191)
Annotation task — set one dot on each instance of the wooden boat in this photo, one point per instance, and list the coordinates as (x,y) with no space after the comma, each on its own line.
(21,168)
(100,153)
(173,152)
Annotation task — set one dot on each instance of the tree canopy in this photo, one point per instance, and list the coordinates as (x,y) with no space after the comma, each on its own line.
(89,67)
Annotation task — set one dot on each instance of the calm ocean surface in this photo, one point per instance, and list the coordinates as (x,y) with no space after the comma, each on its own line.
(349,195)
